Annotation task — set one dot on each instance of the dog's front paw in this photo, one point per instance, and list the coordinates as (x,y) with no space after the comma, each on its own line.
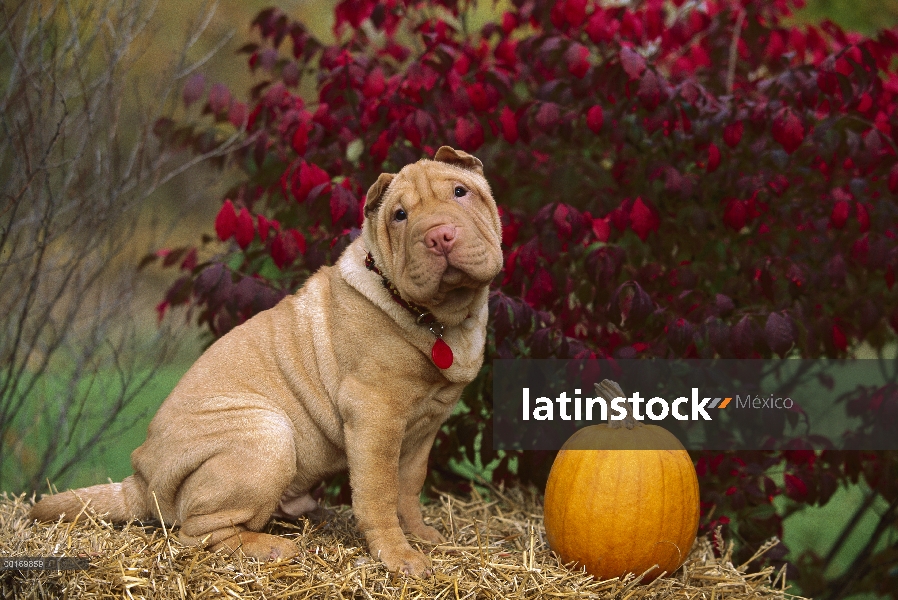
(390,546)
(406,561)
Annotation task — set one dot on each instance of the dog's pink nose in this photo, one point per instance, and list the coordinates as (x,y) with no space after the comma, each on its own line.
(440,239)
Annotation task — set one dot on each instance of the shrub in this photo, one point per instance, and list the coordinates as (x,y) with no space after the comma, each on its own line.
(676,179)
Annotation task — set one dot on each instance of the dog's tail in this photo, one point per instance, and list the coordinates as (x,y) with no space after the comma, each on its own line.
(115,502)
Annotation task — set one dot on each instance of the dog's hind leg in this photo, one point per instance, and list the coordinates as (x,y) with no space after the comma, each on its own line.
(233,494)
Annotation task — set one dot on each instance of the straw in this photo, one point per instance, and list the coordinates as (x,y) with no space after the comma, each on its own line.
(496,548)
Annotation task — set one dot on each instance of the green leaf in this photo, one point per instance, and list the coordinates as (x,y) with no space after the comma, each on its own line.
(354,150)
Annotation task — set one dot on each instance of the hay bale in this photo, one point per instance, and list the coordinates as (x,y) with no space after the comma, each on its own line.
(496,549)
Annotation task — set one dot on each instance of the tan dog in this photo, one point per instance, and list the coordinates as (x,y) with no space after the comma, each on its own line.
(340,375)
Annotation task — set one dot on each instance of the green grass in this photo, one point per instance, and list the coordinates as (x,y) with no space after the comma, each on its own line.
(109,459)
(816,528)
(113,459)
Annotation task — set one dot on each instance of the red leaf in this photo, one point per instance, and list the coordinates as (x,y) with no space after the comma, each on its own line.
(713,158)
(161,308)
(600,28)
(651,92)
(620,216)
(264,224)
(341,199)
(548,115)
(839,214)
(306,178)
(245,231)
(594,118)
(796,489)
(839,339)
(788,131)
(562,223)
(735,215)
(796,275)
(510,227)
(732,133)
(890,277)
(630,304)
(860,249)
(189,262)
(193,89)
(469,134)
(541,289)
(300,138)
(509,123)
(237,114)
(477,96)
(654,22)
(380,148)
(632,62)
(506,52)
(602,229)
(375,84)
(575,12)
(300,241)
(226,221)
(412,132)
(631,25)
(828,82)
(509,22)
(893,179)
(863,216)
(529,254)
(287,245)
(577,57)
(642,219)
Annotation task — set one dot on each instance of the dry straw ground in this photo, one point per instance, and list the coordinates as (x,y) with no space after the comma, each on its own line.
(496,549)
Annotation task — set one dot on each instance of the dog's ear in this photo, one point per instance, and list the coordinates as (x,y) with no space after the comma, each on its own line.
(376,193)
(459,158)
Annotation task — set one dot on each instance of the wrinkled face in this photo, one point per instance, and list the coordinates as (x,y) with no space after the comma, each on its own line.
(435,233)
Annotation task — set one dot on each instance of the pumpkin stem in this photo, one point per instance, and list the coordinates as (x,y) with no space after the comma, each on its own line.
(609,390)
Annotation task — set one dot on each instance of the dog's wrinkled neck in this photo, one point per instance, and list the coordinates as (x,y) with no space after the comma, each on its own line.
(422,315)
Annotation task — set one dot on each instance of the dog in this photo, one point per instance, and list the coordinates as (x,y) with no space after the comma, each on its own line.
(357,370)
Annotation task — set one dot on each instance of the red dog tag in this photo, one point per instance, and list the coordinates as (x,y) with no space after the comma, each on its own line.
(441,354)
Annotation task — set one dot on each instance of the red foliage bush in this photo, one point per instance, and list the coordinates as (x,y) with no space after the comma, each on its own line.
(675,179)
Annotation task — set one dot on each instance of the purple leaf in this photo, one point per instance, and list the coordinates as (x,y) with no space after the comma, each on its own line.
(194,88)
(779,333)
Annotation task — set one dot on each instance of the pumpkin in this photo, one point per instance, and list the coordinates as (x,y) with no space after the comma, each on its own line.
(622,500)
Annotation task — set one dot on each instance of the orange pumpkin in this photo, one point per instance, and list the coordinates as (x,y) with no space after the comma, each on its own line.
(625,508)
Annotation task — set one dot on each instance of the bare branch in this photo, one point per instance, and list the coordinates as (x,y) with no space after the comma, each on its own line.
(77,163)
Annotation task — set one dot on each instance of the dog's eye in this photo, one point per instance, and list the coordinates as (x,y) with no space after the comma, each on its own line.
(400,215)
(460,191)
